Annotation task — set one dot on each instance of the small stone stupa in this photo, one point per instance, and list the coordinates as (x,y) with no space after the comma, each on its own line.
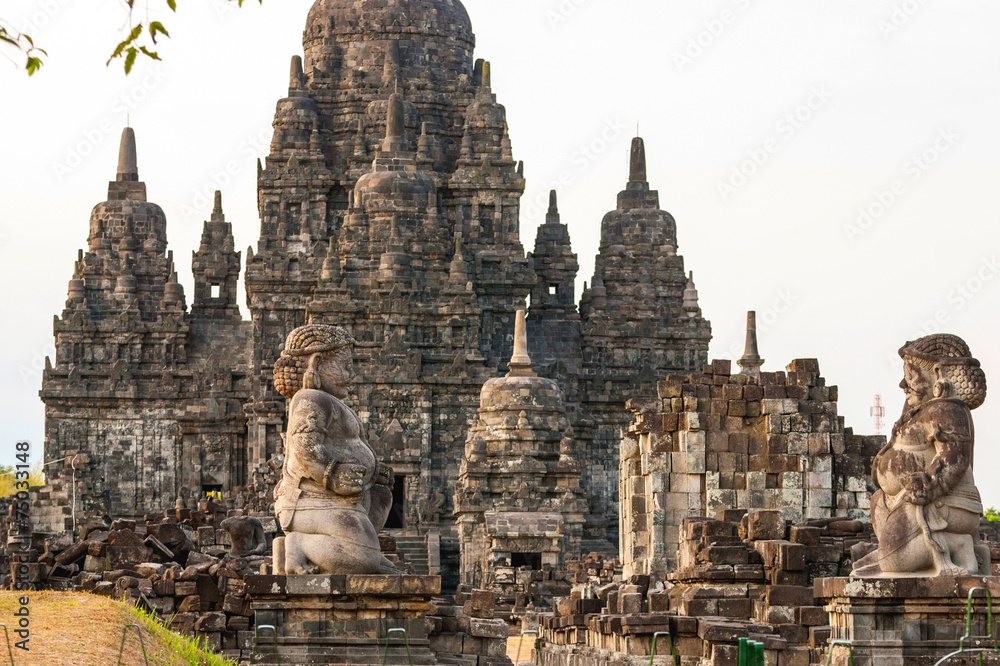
(519,501)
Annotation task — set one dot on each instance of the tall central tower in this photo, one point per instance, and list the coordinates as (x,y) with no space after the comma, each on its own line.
(389,205)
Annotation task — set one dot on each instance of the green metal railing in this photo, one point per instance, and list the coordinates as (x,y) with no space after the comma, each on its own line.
(256,638)
(751,653)
(990,633)
(10,653)
(652,652)
(142,643)
(520,643)
(844,643)
(406,640)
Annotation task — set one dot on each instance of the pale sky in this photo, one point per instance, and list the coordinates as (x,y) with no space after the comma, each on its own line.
(769,124)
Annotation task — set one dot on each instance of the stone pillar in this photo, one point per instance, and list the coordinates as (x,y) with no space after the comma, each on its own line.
(903,621)
(328,619)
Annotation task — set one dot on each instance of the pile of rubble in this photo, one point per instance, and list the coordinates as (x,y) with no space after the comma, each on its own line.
(748,575)
(521,591)
(463,631)
(180,564)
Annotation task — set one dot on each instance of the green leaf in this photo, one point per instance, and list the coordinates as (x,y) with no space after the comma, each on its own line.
(136,31)
(34,64)
(151,54)
(172,4)
(157,27)
(130,59)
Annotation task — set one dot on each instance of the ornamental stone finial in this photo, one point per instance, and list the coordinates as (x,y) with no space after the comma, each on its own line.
(128,169)
(520,362)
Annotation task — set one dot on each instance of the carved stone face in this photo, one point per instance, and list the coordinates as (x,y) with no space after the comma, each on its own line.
(917,384)
(336,371)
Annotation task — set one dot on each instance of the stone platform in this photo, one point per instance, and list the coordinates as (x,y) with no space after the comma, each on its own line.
(341,620)
(904,621)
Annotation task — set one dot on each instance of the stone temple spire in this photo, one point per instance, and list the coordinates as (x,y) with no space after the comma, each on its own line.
(637,162)
(520,363)
(126,185)
(751,362)
(217,214)
(395,126)
(691,297)
(216,269)
(128,169)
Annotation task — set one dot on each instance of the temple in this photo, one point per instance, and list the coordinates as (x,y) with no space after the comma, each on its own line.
(389,205)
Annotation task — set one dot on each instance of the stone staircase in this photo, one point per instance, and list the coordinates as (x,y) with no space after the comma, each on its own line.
(414,548)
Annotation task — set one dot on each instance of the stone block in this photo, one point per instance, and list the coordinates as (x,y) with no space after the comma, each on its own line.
(374,585)
(794,656)
(483,628)
(315,585)
(265,584)
(481,604)
(765,525)
(807,536)
(190,604)
(721,632)
(211,622)
(150,569)
(787,595)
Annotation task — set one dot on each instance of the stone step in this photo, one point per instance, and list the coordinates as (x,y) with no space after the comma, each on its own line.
(414,549)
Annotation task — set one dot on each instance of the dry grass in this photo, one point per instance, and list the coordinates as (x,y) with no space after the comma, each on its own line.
(79,629)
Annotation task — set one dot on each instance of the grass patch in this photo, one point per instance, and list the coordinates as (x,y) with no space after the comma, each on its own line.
(191,650)
(80,629)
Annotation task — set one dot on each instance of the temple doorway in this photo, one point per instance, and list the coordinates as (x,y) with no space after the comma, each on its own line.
(397,515)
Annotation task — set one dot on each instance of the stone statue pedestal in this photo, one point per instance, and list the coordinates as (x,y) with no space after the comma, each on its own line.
(325,619)
(904,621)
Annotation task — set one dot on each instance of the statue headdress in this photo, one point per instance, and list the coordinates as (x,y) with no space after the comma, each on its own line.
(959,372)
(296,369)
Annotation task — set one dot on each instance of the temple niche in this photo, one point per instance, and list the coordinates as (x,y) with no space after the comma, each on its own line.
(519,502)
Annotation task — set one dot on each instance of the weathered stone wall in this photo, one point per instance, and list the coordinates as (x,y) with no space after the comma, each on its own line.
(713,441)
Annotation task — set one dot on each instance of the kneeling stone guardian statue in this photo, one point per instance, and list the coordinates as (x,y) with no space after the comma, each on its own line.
(334,496)
(927,509)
